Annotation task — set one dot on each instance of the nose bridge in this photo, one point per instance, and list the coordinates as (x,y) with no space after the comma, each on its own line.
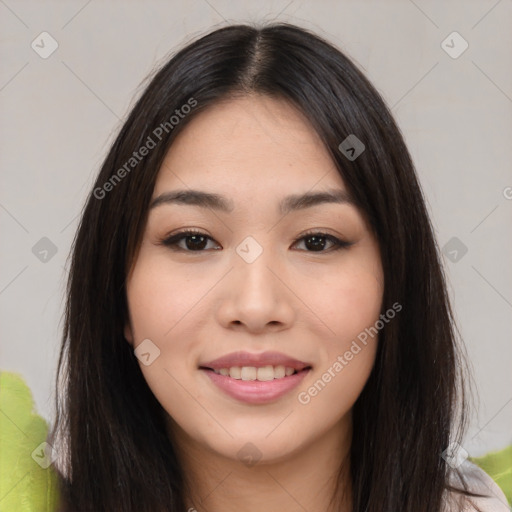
(253,263)
(255,295)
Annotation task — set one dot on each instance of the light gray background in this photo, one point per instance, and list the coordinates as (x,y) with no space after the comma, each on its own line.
(60,114)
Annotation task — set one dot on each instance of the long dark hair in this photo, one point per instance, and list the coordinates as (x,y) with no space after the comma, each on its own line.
(111,427)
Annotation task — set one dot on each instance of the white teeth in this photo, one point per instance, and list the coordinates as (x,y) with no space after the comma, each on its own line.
(235,372)
(265,373)
(249,373)
(280,372)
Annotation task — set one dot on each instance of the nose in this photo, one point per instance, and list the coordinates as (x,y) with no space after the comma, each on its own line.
(257,296)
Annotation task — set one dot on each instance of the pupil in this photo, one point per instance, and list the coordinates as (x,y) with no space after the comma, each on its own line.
(316,245)
(195,237)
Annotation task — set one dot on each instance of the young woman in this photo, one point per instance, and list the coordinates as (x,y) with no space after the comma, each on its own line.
(257,317)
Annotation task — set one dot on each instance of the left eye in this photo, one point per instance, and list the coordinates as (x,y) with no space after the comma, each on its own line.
(195,241)
(318,241)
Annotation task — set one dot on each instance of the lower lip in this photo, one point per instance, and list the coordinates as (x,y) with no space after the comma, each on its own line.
(255,391)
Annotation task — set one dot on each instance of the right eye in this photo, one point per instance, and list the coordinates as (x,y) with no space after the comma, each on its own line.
(195,241)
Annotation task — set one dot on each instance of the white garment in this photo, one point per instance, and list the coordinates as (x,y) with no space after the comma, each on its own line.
(480,482)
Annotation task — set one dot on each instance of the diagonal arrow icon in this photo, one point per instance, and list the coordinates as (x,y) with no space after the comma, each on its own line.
(455,249)
(44,250)
(351,147)
(249,249)
(44,45)
(454,45)
(146,352)
(44,455)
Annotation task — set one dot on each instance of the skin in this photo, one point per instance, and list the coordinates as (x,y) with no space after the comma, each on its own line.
(197,306)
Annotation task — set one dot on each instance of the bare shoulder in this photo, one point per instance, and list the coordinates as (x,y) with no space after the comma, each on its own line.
(478,481)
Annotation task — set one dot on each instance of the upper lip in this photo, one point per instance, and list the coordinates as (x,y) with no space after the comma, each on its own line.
(257,360)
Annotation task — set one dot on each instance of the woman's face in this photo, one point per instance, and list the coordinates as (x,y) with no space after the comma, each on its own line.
(254,282)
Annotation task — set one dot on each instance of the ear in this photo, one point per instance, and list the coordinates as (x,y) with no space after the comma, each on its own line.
(128,334)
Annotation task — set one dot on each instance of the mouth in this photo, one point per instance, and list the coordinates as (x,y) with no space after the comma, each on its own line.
(253,373)
(255,385)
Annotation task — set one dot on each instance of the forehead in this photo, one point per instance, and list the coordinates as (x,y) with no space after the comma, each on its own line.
(248,145)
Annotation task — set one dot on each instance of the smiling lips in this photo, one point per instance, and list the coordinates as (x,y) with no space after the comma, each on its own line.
(256,378)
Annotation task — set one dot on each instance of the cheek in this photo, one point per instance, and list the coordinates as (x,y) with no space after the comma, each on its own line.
(155,304)
(337,386)
(352,308)
(349,305)
(358,304)
(347,300)
(155,314)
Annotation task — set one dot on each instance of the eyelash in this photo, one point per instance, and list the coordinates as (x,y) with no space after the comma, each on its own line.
(172,241)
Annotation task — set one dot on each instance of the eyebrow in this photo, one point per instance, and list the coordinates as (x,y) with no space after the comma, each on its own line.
(218,202)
